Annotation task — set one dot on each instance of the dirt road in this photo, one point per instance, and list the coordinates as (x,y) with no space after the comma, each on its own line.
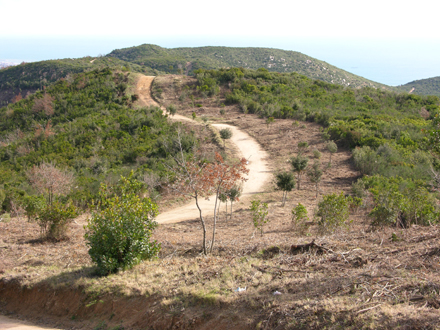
(9,324)
(259,173)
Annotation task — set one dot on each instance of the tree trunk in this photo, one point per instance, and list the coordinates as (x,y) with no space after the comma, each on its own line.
(215,220)
(203,225)
(231,209)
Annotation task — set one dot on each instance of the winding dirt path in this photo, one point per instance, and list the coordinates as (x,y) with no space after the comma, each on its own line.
(259,172)
(9,324)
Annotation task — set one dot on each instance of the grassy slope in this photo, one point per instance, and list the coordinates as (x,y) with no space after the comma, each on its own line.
(275,60)
(28,77)
(429,86)
(95,130)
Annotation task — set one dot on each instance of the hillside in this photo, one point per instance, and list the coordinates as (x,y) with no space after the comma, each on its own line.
(296,274)
(187,60)
(28,77)
(89,124)
(429,86)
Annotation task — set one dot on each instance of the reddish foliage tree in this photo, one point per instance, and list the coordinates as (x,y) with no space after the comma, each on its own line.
(196,179)
(222,177)
(17,98)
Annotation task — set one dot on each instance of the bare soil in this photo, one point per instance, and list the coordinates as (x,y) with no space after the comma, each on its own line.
(359,279)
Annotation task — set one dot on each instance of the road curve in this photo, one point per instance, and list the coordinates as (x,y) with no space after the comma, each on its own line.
(7,323)
(259,173)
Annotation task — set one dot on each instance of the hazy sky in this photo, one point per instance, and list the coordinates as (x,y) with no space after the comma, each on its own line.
(373,18)
(369,36)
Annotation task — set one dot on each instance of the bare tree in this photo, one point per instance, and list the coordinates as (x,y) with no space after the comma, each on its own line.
(45,104)
(51,180)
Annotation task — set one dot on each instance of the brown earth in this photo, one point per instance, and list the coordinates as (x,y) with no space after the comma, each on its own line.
(359,279)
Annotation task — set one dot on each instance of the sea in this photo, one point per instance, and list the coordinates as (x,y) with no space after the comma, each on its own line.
(391,61)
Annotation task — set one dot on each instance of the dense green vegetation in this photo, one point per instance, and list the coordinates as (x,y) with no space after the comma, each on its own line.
(29,77)
(430,86)
(187,60)
(387,131)
(85,124)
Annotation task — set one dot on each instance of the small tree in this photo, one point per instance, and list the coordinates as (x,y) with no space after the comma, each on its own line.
(269,121)
(334,212)
(234,194)
(50,180)
(223,198)
(118,233)
(285,181)
(194,116)
(53,219)
(225,134)
(302,146)
(299,165)
(333,148)
(300,217)
(315,174)
(259,214)
(172,109)
(223,177)
(197,179)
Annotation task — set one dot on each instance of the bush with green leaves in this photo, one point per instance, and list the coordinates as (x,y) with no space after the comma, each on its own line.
(285,182)
(259,214)
(300,217)
(118,233)
(333,211)
(172,109)
(302,146)
(33,204)
(400,202)
(234,194)
(333,148)
(54,219)
(315,174)
(317,154)
(299,165)
(225,134)
(2,198)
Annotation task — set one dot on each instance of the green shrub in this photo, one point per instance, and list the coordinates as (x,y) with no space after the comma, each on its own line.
(33,205)
(388,208)
(259,214)
(54,219)
(333,212)
(300,217)
(2,198)
(172,109)
(402,207)
(285,182)
(317,154)
(118,234)
(5,217)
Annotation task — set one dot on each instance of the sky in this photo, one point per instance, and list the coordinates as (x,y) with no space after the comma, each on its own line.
(394,41)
